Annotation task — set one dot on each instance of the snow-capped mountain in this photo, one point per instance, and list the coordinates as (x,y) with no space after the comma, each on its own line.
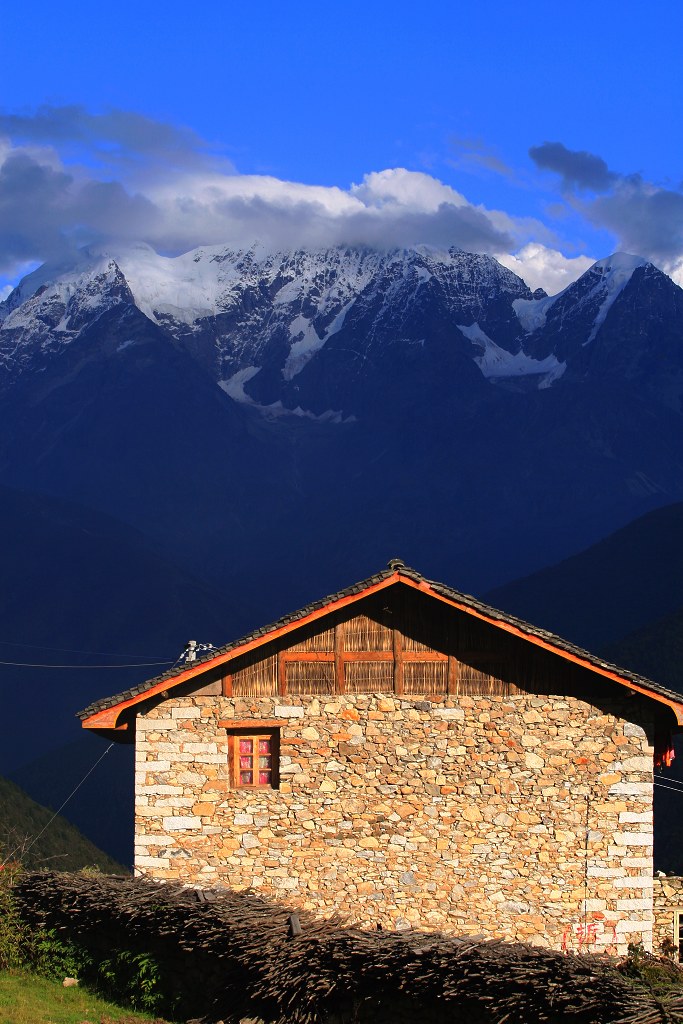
(591,296)
(308,331)
(623,318)
(240,314)
(245,408)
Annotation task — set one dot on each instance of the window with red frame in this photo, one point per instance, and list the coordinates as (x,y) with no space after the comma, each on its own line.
(255,760)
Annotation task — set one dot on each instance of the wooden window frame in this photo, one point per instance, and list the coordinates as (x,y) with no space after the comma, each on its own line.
(256,733)
(678,933)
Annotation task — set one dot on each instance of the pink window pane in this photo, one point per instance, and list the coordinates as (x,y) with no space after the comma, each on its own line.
(245,762)
(246,778)
(264,777)
(264,746)
(246,746)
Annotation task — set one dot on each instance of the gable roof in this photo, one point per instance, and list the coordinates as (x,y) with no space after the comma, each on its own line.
(104,713)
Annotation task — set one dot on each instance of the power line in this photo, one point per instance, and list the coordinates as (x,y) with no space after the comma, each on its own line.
(24,850)
(666,779)
(660,785)
(72,650)
(138,664)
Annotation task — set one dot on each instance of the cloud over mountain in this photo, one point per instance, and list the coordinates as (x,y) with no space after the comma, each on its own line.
(645,217)
(69,178)
(546,268)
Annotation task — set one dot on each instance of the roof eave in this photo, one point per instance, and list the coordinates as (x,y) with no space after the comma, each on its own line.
(108,718)
(608,673)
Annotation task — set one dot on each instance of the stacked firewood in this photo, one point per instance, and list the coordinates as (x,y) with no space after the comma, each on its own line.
(230,956)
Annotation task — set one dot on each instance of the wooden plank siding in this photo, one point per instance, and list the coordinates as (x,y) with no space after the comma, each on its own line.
(407,645)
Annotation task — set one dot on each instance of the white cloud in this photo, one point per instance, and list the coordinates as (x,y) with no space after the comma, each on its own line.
(675,270)
(394,207)
(411,189)
(646,218)
(49,207)
(545,268)
(69,178)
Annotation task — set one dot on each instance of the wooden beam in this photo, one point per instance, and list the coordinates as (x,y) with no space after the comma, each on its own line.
(307,655)
(397,654)
(453,674)
(339,677)
(281,674)
(329,656)
(231,758)
(251,723)
(423,655)
(368,655)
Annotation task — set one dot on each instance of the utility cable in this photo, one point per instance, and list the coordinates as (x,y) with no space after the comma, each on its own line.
(137,664)
(666,780)
(660,785)
(57,812)
(72,650)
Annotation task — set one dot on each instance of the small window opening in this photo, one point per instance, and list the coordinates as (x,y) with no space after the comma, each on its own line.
(255,755)
(254,759)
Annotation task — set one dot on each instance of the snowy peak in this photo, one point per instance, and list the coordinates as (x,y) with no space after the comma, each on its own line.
(313,329)
(610,277)
(578,324)
(209,280)
(618,266)
(236,309)
(43,316)
(596,290)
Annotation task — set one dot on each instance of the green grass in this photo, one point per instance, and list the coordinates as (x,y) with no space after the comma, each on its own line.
(27,999)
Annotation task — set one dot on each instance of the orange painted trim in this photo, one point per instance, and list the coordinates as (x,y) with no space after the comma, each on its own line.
(349,657)
(251,723)
(108,718)
(290,656)
(676,706)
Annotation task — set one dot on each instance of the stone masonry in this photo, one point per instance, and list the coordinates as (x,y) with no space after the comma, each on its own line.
(667,905)
(521,817)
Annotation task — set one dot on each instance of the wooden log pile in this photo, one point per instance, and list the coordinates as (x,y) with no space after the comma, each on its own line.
(230,956)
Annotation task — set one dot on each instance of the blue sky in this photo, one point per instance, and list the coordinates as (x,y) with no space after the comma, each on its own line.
(547,135)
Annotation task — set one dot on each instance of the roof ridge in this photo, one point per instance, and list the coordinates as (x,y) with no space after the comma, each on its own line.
(397,568)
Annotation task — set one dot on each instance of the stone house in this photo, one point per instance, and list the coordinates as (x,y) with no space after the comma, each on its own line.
(408,756)
(668,915)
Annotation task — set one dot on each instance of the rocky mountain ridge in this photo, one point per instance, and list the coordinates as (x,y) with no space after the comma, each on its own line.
(255,413)
(278,330)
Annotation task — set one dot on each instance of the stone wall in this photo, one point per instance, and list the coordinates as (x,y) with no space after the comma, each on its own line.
(667,899)
(522,817)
